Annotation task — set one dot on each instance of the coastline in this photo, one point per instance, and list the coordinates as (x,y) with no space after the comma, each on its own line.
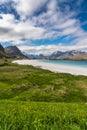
(54,67)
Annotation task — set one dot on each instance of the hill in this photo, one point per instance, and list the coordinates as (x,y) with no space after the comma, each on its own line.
(13,51)
(27,83)
(2,53)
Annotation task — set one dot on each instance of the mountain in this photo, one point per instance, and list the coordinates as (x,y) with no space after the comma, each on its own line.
(33,56)
(2,52)
(1,48)
(13,51)
(70,55)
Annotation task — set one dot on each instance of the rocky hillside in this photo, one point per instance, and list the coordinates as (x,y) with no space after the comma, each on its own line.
(13,51)
(2,52)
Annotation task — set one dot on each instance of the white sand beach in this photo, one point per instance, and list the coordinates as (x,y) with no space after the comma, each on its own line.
(54,67)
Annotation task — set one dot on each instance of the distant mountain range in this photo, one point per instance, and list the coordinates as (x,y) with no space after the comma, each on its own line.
(71,55)
(32,56)
(67,55)
(14,52)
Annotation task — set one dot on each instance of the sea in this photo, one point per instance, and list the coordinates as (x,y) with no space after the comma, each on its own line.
(77,63)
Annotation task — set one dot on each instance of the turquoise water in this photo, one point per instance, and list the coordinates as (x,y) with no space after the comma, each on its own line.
(82,63)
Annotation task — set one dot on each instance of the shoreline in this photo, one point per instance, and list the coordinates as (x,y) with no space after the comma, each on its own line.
(54,67)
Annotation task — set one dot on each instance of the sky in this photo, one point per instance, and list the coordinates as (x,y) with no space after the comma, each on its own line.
(44,26)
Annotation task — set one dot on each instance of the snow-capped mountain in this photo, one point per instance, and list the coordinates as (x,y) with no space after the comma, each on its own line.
(73,54)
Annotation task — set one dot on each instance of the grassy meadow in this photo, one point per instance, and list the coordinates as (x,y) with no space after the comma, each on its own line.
(36,99)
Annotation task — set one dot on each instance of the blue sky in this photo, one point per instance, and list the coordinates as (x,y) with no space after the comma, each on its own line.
(44,26)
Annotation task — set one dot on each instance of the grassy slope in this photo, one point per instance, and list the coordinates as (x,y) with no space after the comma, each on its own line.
(32,84)
(26,83)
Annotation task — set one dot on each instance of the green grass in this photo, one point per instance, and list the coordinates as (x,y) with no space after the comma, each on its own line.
(27,83)
(36,99)
(42,116)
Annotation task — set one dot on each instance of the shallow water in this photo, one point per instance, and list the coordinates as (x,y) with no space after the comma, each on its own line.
(81,63)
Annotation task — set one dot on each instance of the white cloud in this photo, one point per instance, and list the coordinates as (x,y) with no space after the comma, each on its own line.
(26,8)
(10,29)
(49,49)
(68,23)
(3,1)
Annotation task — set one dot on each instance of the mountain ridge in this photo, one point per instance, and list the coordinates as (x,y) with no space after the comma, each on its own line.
(60,55)
(69,55)
(13,51)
